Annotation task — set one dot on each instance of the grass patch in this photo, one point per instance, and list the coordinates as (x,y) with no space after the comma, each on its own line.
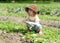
(23,5)
(46,17)
(49,33)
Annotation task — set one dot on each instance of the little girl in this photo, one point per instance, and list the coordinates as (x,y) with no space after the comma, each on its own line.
(32,21)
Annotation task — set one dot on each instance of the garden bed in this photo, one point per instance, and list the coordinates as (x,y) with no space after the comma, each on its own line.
(50,23)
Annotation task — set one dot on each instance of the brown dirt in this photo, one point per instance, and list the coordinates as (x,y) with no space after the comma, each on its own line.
(51,23)
(13,38)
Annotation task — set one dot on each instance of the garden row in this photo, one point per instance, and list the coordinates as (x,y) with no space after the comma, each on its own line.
(50,34)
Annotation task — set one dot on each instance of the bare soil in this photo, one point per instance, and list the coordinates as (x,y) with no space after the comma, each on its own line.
(13,38)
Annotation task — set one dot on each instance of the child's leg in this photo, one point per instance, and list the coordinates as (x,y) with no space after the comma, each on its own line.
(37,28)
(40,31)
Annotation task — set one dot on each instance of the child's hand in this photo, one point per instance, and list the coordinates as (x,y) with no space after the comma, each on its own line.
(26,22)
(40,32)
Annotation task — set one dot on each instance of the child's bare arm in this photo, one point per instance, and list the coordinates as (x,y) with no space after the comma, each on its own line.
(37,21)
(33,23)
(26,19)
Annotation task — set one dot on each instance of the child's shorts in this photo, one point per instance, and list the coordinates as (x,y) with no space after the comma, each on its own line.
(35,27)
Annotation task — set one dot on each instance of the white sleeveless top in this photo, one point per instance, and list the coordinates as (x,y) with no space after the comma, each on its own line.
(35,18)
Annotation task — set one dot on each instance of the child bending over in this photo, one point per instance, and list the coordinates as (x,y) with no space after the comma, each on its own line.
(33,22)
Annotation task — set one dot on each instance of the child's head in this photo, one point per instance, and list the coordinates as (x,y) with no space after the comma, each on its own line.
(31,10)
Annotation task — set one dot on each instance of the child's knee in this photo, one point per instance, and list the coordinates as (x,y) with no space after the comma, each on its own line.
(40,26)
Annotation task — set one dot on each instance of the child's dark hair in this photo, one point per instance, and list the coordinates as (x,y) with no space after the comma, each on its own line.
(26,9)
